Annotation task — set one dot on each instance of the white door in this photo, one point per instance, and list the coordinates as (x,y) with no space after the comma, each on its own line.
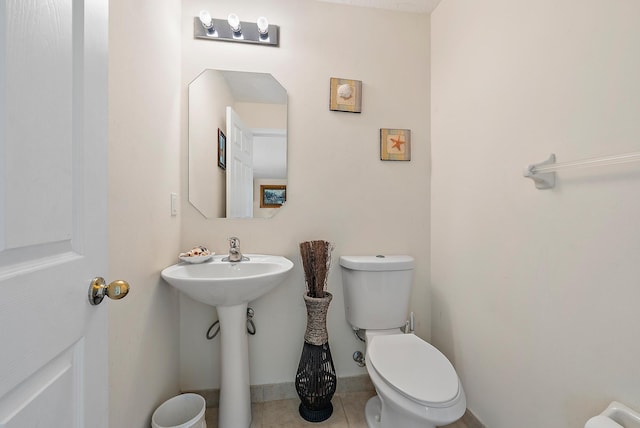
(239,167)
(53,240)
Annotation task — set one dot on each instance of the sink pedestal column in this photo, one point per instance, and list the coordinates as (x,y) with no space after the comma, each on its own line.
(235,399)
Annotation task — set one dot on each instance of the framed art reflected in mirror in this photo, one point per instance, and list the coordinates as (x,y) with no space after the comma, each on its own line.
(222,149)
(272,196)
(260,102)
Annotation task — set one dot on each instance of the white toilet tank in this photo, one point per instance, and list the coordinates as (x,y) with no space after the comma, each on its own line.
(377,290)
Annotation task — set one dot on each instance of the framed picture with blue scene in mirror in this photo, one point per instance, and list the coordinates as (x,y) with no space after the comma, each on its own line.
(272,195)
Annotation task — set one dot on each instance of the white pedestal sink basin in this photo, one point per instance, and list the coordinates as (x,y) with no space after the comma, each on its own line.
(229,287)
(219,283)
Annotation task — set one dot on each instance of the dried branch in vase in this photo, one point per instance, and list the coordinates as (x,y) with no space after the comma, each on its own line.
(316,261)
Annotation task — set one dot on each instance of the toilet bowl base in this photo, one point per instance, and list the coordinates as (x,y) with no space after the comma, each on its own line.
(372,414)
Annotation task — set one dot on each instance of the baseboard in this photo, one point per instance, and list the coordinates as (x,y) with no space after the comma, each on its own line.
(287,390)
(470,421)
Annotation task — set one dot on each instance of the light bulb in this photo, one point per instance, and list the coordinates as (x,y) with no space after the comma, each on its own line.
(234,22)
(206,20)
(263,26)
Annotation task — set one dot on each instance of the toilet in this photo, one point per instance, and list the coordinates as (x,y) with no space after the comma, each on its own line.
(416,384)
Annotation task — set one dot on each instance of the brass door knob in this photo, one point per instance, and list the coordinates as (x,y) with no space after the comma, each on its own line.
(98,289)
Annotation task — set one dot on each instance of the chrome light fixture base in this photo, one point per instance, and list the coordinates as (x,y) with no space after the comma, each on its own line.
(249,32)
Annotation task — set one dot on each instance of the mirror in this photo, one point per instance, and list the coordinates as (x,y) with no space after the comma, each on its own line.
(237,144)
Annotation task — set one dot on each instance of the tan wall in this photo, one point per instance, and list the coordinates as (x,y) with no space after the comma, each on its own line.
(535,292)
(338,189)
(269,116)
(144,148)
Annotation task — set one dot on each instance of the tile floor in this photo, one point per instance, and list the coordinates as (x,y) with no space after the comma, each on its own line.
(348,412)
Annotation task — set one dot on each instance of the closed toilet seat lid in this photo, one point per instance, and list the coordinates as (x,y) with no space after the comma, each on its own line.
(414,368)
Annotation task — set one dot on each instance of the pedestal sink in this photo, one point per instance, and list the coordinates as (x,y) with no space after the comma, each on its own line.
(230,287)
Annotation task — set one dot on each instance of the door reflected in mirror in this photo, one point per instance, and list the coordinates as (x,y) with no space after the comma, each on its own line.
(250,110)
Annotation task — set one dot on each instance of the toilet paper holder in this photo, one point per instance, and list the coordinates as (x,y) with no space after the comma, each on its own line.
(615,415)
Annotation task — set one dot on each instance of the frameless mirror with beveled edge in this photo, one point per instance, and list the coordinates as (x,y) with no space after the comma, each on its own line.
(237,144)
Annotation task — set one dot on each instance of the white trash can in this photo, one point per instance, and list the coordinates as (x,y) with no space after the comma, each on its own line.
(181,411)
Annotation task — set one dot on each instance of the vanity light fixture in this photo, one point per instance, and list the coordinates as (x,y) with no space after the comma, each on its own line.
(263,28)
(234,30)
(207,21)
(234,23)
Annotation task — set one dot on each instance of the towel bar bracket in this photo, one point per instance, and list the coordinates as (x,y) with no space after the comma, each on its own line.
(542,180)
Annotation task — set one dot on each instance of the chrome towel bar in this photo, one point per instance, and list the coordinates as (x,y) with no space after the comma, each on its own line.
(544,173)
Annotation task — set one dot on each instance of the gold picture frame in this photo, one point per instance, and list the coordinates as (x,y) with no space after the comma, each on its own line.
(346,95)
(272,196)
(395,144)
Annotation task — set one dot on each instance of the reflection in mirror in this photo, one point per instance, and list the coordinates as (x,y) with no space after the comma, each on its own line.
(250,110)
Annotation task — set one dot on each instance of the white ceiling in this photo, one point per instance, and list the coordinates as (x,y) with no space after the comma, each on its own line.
(414,6)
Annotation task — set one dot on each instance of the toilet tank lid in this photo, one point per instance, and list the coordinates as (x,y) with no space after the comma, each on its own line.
(377,263)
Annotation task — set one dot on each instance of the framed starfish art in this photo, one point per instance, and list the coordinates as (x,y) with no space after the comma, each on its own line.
(395,144)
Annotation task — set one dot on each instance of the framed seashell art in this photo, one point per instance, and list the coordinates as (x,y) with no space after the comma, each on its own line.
(395,144)
(346,95)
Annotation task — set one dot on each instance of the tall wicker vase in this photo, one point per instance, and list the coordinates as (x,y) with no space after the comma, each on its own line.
(316,376)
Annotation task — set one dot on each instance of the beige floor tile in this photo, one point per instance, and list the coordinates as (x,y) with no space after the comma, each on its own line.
(458,424)
(211,416)
(284,414)
(280,411)
(257,412)
(354,403)
(348,412)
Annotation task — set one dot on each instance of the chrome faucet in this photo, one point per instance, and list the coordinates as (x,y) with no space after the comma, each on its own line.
(234,251)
